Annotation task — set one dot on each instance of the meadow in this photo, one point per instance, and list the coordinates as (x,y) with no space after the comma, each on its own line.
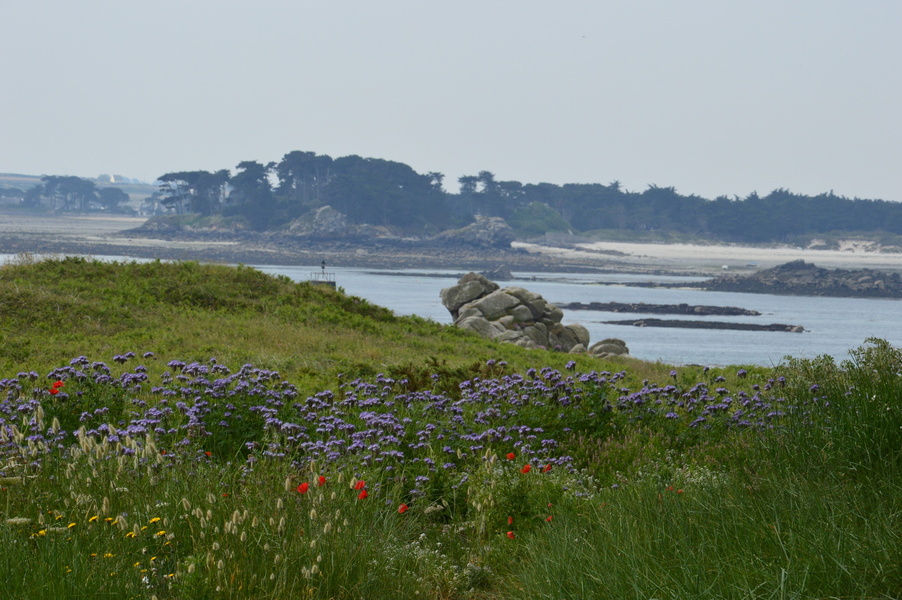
(177,430)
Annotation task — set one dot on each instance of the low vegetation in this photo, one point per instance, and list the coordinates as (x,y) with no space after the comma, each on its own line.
(175,430)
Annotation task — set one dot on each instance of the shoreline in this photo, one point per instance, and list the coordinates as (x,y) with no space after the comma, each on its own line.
(108,235)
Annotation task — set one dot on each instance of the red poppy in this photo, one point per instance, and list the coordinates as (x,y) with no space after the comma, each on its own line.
(679,491)
(510,520)
(526,469)
(403,509)
(548,518)
(669,488)
(321,481)
(54,391)
(511,456)
(511,535)
(362,495)
(302,489)
(360,485)
(546,468)
(208,453)
(57,384)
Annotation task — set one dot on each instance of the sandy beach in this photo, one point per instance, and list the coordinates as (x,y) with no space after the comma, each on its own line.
(713,259)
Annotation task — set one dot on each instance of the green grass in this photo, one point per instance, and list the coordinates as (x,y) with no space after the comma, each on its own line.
(55,310)
(648,504)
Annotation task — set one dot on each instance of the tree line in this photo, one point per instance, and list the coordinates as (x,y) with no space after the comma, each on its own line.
(392,194)
(68,193)
(388,193)
(366,190)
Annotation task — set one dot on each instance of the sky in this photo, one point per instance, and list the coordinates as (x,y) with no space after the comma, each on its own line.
(712,97)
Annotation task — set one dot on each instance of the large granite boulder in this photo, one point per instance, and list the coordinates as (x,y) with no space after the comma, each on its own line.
(518,316)
(470,287)
(608,347)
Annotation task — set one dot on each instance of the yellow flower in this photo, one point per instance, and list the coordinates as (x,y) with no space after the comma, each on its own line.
(130,534)
(137,564)
(70,525)
(92,519)
(109,555)
(161,533)
(154,520)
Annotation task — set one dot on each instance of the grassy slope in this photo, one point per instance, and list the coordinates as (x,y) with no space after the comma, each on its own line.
(656,508)
(52,311)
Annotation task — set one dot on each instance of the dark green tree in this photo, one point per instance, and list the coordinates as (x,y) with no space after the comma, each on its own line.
(252,194)
(382,192)
(67,193)
(199,192)
(303,177)
(111,198)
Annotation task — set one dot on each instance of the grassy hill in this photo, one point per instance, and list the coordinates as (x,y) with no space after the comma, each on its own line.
(55,310)
(176,430)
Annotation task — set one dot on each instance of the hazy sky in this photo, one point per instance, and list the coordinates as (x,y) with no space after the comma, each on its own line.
(713,97)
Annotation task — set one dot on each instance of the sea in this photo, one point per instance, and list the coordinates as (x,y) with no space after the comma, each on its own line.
(833,326)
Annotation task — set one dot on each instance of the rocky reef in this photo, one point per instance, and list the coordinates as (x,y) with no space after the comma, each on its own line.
(805,279)
(518,316)
(661,309)
(708,325)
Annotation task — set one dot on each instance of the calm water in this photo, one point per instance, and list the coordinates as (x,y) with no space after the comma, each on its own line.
(833,325)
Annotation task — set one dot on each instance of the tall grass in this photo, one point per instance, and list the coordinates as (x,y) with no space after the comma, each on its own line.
(397,458)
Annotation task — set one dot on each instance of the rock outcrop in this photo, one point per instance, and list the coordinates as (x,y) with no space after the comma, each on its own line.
(486,232)
(661,309)
(326,223)
(801,278)
(518,316)
(709,325)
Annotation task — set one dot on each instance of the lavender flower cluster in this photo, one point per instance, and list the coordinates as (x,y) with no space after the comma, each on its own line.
(700,406)
(206,412)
